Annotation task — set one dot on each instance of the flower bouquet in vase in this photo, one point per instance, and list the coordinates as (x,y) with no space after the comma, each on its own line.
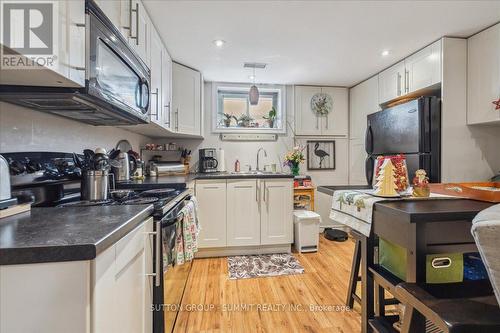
(293,159)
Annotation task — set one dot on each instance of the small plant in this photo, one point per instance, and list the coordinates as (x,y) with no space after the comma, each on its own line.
(227,119)
(271,117)
(244,120)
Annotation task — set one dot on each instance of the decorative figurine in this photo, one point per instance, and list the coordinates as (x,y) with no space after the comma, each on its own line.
(421,184)
(386,181)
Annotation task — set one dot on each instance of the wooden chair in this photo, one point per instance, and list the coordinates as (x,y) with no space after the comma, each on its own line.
(453,308)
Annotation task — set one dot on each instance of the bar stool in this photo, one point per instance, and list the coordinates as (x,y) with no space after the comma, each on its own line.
(355,278)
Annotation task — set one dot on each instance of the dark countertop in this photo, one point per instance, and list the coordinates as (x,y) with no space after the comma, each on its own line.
(243,175)
(330,189)
(66,233)
(414,211)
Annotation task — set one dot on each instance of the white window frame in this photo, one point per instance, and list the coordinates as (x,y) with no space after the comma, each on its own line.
(216,86)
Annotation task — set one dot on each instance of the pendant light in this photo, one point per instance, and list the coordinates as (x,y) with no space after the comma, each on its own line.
(253,94)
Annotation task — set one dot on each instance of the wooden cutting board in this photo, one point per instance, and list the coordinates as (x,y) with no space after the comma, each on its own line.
(13,210)
(481,191)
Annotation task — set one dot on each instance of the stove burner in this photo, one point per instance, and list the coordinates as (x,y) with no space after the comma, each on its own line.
(87,203)
(140,201)
(158,193)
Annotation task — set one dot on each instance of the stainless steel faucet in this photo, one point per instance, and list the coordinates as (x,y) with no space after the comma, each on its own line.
(265,155)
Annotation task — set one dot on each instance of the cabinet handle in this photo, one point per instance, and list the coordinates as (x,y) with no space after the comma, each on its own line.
(136,11)
(210,187)
(177,119)
(317,122)
(407,81)
(326,125)
(157,107)
(158,246)
(264,192)
(168,113)
(399,84)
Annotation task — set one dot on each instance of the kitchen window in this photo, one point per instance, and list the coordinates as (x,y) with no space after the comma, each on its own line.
(234,113)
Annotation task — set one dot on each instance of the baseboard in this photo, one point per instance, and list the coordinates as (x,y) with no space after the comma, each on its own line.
(242,250)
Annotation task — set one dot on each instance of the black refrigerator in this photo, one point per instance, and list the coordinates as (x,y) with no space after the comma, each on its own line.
(412,128)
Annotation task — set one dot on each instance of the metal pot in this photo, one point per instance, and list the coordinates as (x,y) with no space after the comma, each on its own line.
(96,185)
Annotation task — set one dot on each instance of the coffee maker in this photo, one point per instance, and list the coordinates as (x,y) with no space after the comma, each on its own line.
(208,161)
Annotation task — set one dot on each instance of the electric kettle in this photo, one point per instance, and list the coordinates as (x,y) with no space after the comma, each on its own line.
(125,166)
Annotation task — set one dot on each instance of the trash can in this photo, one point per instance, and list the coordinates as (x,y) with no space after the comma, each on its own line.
(306,230)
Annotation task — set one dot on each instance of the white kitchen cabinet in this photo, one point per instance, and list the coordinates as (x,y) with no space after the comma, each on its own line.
(243,216)
(212,210)
(309,123)
(423,69)
(357,159)
(139,28)
(113,11)
(67,63)
(391,82)
(124,276)
(110,294)
(483,76)
(419,71)
(276,218)
(156,96)
(166,84)
(186,100)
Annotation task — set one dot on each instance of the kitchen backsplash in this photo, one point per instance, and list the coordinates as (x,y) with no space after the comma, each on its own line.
(22,129)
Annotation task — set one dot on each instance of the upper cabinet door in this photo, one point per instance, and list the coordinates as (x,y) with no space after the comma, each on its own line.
(186,86)
(391,82)
(336,122)
(243,218)
(166,84)
(306,122)
(363,101)
(156,108)
(423,69)
(483,76)
(276,211)
(139,32)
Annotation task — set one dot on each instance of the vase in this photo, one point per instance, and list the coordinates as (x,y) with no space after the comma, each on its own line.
(295,169)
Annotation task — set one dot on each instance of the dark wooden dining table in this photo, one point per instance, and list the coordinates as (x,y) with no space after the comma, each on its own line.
(421,227)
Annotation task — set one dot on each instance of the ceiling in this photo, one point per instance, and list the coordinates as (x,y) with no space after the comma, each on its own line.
(309,42)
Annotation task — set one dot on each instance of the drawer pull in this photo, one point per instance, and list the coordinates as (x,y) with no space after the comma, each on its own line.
(441,262)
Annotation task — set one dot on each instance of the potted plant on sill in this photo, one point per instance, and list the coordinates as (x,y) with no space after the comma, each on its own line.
(271,117)
(244,120)
(293,160)
(227,119)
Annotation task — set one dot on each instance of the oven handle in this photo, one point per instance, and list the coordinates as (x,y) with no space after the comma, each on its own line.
(158,268)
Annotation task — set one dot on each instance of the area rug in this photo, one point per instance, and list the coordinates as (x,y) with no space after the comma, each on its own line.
(264,265)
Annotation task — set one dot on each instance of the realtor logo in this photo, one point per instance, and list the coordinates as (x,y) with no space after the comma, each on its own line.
(28,34)
(28,28)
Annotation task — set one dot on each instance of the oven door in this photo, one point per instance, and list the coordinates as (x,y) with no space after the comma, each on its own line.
(172,278)
(115,74)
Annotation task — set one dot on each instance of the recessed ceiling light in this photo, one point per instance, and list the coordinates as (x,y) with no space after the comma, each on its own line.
(385,53)
(219,42)
(251,77)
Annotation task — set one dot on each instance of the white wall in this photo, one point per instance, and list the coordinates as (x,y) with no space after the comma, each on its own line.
(22,129)
(246,151)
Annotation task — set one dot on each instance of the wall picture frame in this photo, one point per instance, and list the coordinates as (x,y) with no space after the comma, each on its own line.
(320,154)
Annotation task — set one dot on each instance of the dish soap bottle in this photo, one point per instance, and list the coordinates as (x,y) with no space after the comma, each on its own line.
(237,165)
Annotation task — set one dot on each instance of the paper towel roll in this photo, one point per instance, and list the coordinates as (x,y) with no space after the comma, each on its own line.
(221,166)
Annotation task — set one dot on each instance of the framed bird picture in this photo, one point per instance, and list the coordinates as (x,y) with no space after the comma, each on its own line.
(321,155)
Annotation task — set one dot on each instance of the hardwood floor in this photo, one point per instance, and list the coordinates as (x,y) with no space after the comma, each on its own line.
(324,283)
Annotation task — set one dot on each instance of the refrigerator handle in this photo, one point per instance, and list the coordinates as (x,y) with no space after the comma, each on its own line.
(369,140)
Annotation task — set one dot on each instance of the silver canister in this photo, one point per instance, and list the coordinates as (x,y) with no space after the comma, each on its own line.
(96,185)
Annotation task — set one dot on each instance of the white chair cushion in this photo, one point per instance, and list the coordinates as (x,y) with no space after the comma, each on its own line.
(486,232)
